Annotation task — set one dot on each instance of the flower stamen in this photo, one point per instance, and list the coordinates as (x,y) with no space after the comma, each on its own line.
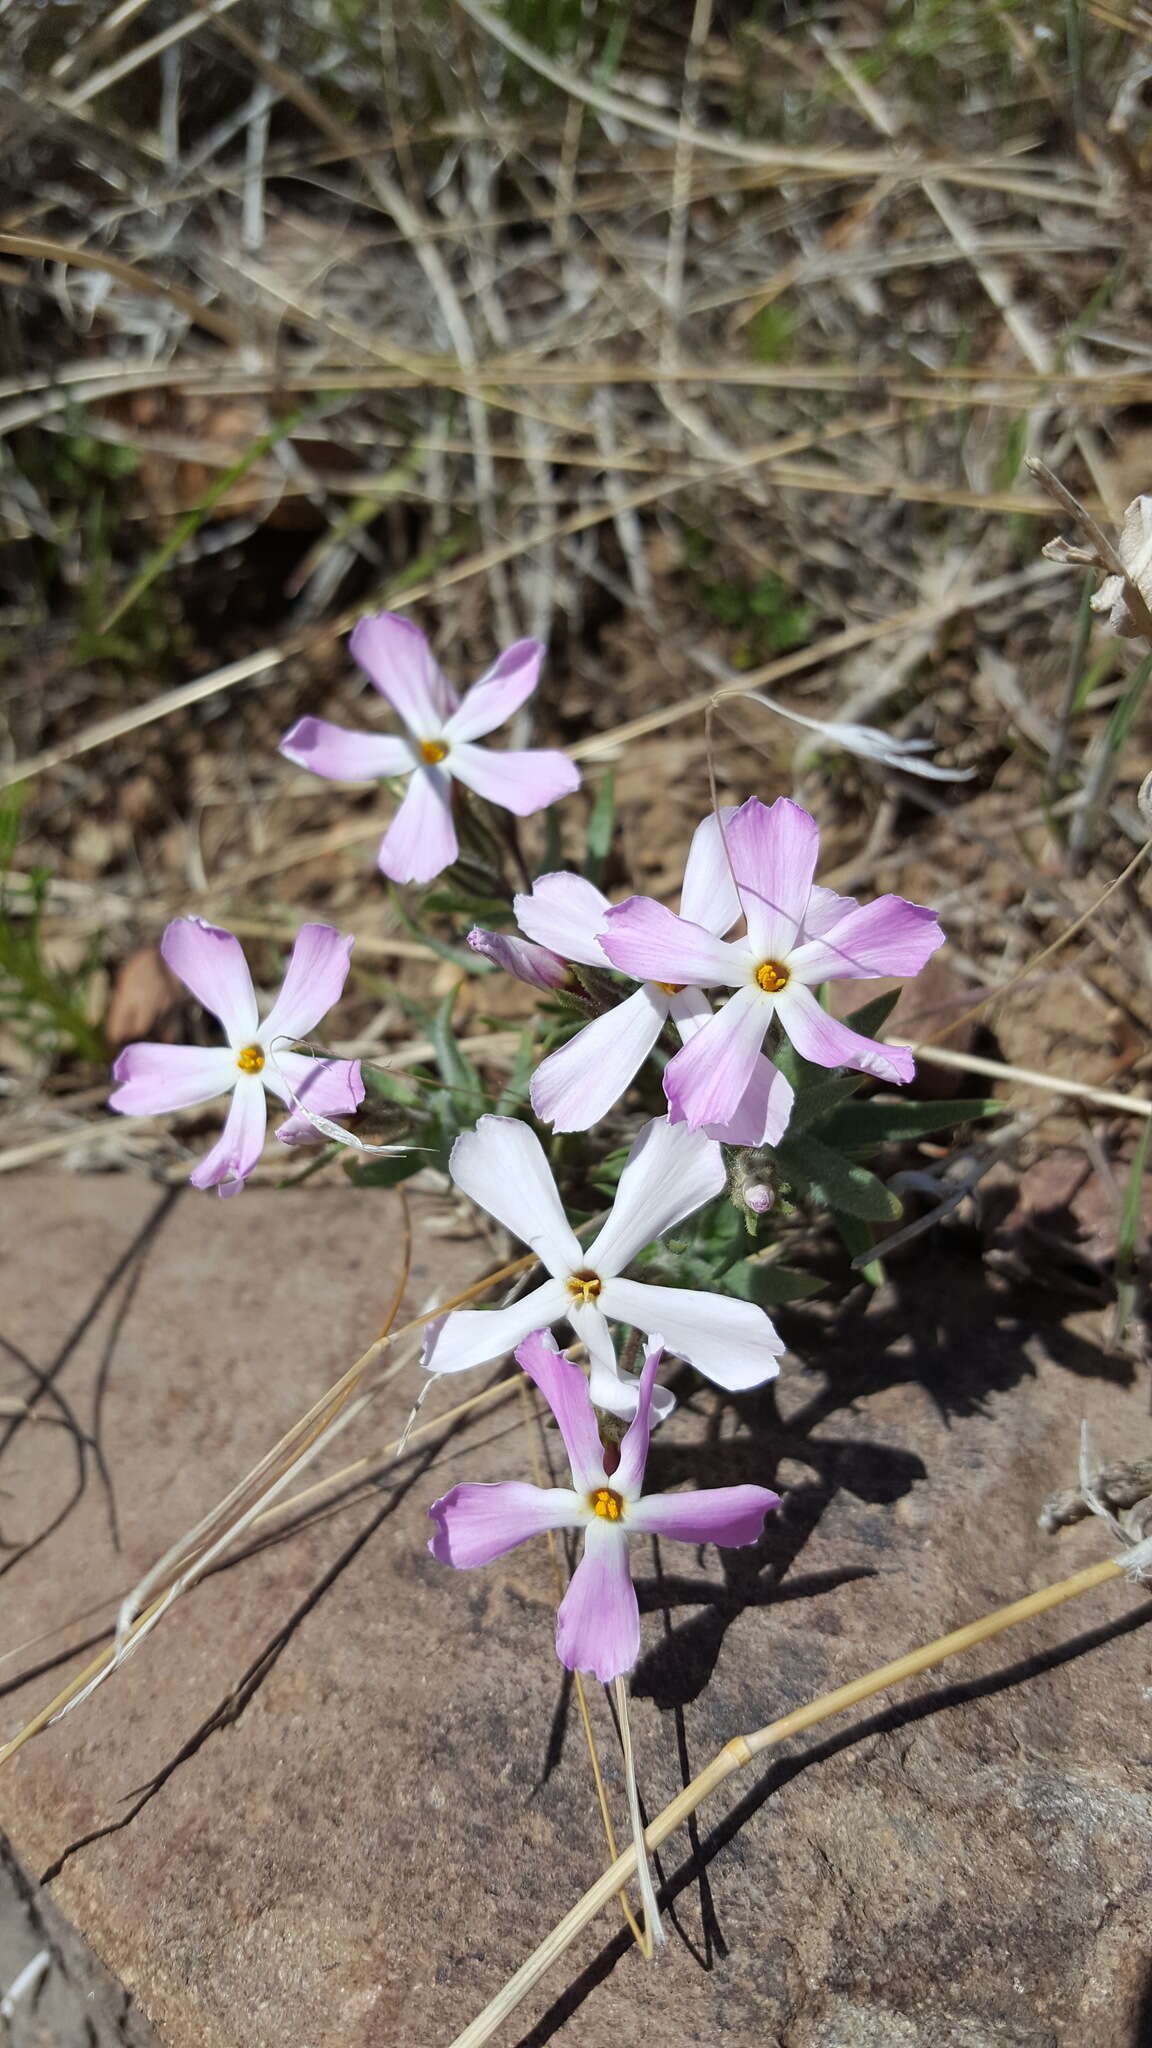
(671,988)
(772,976)
(433,751)
(607,1504)
(585,1285)
(251,1060)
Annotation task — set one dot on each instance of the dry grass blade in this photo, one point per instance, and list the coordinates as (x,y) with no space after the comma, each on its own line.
(43,249)
(743,1749)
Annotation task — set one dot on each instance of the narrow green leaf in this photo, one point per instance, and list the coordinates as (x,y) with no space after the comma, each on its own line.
(770,1285)
(871,1017)
(863,1126)
(820,1098)
(836,1182)
(601,825)
(858,1239)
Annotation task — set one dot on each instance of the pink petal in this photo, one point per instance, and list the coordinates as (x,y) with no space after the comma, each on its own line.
(421,840)
(211,963)
(499,693)
(761,1116)
(728,1515)
(532,964)
(708,896)
(825,908)
(888,936)
(573,1088)
(669,1172)
(827,1042)
(326,1087)
(731,1342)
(474,1336)
(502,1167)
(566,914)
(152,1078)
(474,1524)
(398,660)
(565,1389)
(343,756)
(313,983)
(708,1078)
(774,850)
(646,939)
(598,1625)
(762,1113)
(240,1144)
(629,1473)
(521,782)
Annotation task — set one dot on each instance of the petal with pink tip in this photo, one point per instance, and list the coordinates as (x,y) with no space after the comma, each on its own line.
(888,936)
(343,756)
(709,896)
(645,938)
(152,1078)
(598,1625)
(397,659)
(574,1087)
(211,963)
(474,1336)
(762,1113)
(731,1342)
(565,1389)
(492,700)
(774,850)
(761,1116)
(501,1166)
(828,1043)
(825,908)
(240,1144)
(520,781)
(669,1172)
(629,1474)
(313,983)
(565,913)
(474,1524)
(421,840)
(709,1077)
(326,1087)
(731,1516)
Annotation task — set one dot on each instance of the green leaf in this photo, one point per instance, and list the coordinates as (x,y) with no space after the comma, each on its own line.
(770,1285)
(515,1093)
(458,1072)
(460,956)
(836,1182)
(865,1125)
(858,1238)
(871,1017)
(600,827)
(820,1098)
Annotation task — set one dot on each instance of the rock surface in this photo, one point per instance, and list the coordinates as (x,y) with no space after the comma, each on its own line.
(373,1796)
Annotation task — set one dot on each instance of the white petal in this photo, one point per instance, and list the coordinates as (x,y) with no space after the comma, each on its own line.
(501,1165)
(670,1171)
(730,1342)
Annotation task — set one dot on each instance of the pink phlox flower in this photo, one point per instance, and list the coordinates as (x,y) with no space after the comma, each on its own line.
(669,1172)
(153,1078)
(797,935)
(576,1086)
(438,746)
(598,1625)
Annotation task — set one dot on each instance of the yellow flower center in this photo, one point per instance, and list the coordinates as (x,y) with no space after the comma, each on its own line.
(772,976)
(671,988)
(608,1505)
(251,1060)
(433,751)
(585,1285)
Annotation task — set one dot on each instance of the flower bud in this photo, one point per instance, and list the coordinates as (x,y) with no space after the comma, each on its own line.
(521,957)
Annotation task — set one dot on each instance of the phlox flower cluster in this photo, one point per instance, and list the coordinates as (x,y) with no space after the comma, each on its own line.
(723,982)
